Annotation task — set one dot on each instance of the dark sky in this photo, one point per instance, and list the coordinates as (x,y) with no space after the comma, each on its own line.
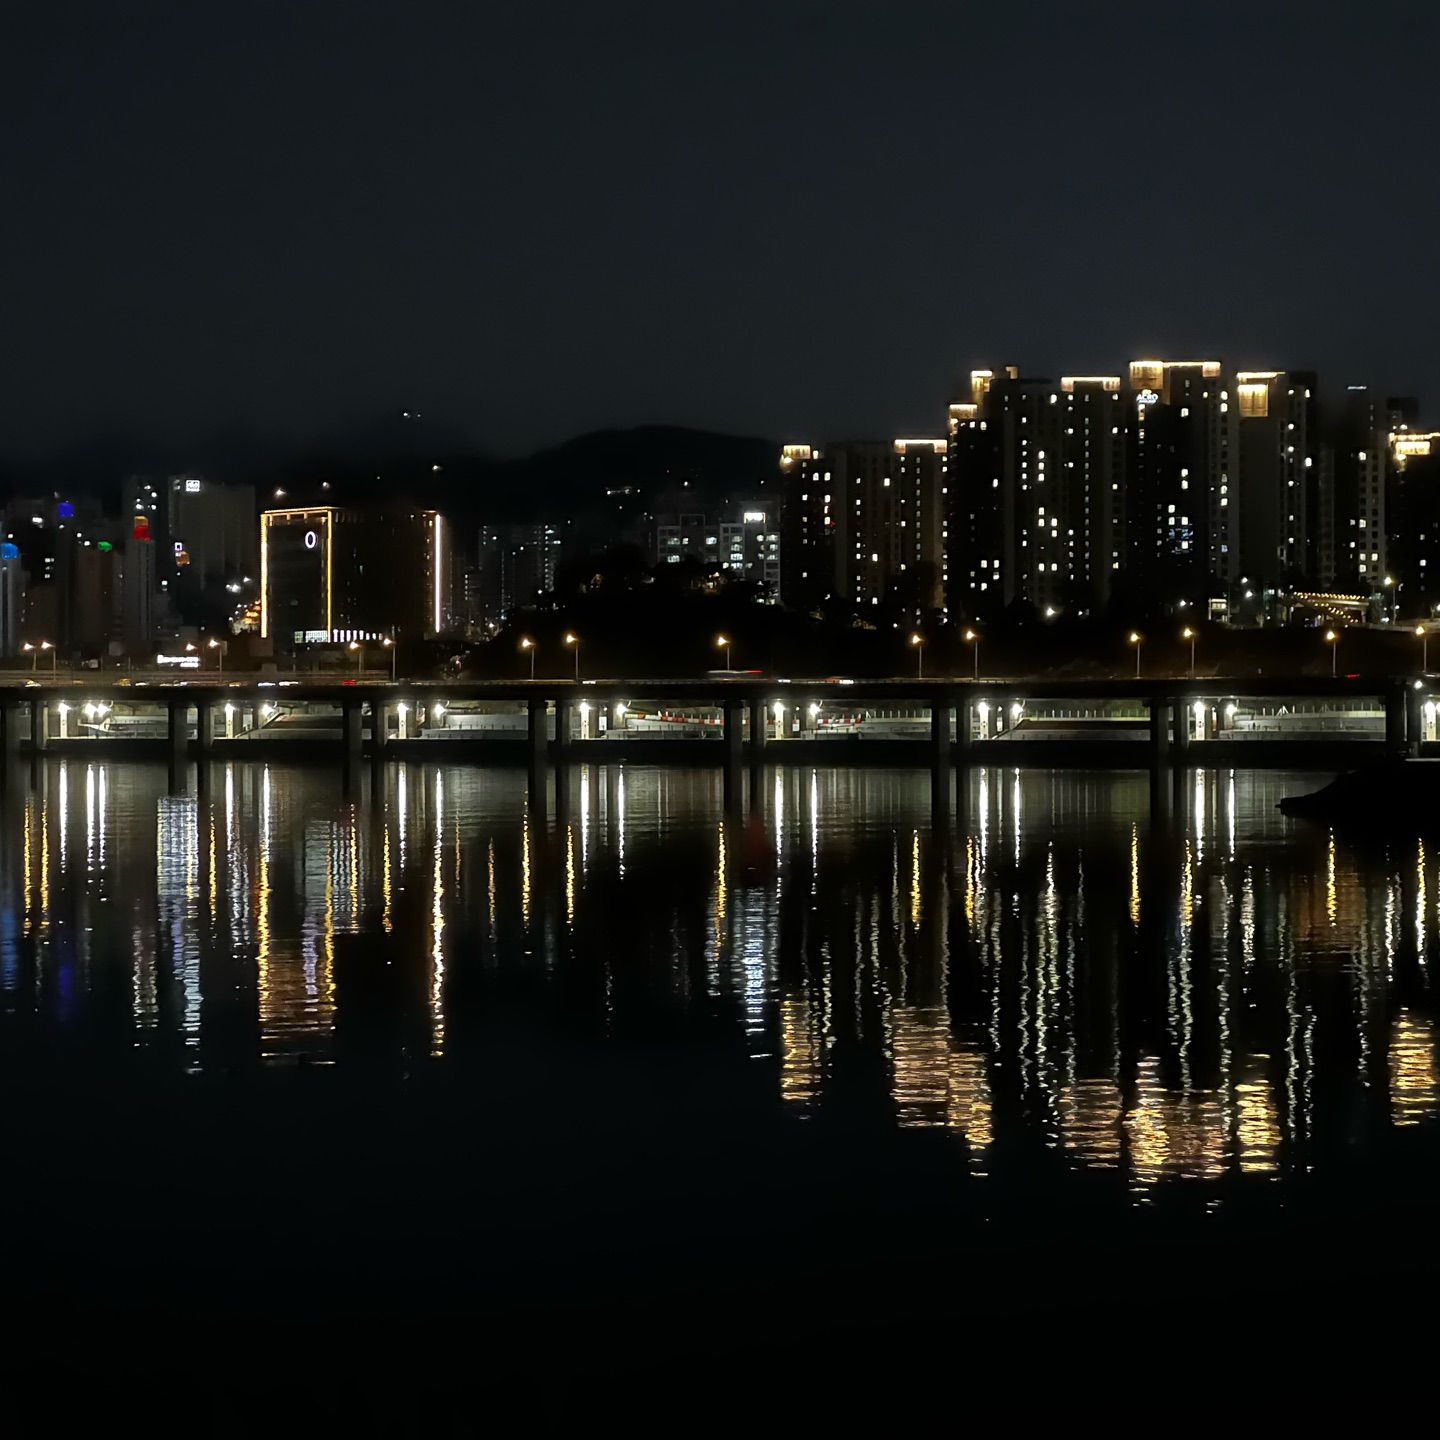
(796,220)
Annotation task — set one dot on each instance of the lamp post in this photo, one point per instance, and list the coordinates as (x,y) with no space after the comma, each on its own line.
(526,643)
(389,643)
(723,642)
(1332,639)
(359,650)
(1188,633)
(1137,640)
(917,641)
(219,647)
(1394,588)
(573,640)
(972,637)
(1424,636)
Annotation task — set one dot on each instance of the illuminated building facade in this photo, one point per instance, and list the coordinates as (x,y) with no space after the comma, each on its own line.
(330,575)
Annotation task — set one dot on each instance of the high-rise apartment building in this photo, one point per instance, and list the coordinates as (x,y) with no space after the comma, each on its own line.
(1276,501)
(866,521)
(1037,482)
(741,540)
(1180,526)
(1358,470)
(814,535)
(517,564)
(211,529)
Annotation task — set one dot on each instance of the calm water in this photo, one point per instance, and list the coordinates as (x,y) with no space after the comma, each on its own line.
(273,1036)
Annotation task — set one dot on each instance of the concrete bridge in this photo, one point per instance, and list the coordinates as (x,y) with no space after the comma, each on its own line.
(733,720)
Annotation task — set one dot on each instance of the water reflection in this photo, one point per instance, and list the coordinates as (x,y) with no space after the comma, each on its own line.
(1181,994)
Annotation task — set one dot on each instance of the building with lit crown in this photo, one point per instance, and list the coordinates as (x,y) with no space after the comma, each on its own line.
(329,575)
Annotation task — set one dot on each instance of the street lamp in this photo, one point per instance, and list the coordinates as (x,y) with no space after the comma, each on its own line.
(1394,587)
(359,650)
(1332,639)
(389,643)
(219,647)
(526,643)
(1137,640)
(572,639)
(972,637)
(1424,636)
(723,642)
(918,642)
(1189,634)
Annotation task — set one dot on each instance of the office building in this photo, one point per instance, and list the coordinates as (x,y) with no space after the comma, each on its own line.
(12,598)
(329,575)
(140,593)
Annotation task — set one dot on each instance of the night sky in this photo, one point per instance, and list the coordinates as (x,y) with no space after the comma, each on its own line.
(798,221)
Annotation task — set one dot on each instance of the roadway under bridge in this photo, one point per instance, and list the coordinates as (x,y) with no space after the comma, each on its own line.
(733,721)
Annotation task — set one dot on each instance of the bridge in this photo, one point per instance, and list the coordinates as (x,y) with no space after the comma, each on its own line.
(1209,720)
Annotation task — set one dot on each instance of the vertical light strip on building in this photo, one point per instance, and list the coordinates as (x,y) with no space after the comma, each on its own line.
(437,572)
(329,572)
(264,576)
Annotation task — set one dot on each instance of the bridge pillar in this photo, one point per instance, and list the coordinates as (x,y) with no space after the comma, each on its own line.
(39,725)
(757,728)
(564,714)
(379,726)
(352,713)
(1395,721)
(1414,720)
(536,726)
(1159,731)
(964,725)
(205,726)
(940,730)
(1180,726)
(734,731)
(178,728)
(10,728)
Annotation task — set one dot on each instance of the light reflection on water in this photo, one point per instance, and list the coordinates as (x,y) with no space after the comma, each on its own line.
(1204,992)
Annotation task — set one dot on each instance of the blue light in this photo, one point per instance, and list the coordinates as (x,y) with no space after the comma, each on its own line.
(65,510)
(9,551)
